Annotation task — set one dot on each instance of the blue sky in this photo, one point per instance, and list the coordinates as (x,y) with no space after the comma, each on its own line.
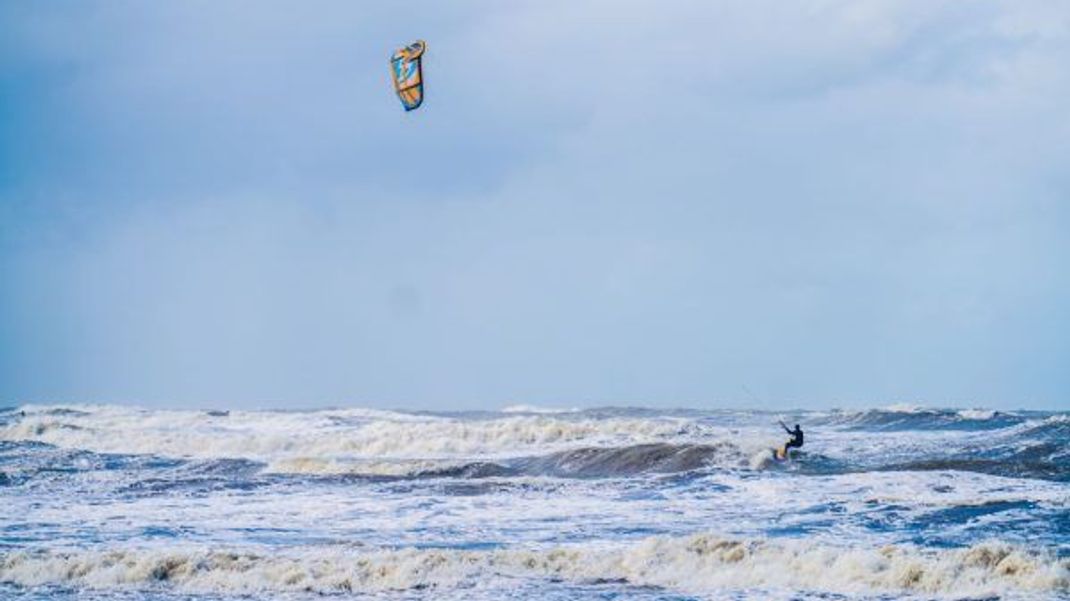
(816,203)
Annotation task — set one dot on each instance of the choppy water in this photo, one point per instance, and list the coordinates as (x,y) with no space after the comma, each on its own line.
(117,503)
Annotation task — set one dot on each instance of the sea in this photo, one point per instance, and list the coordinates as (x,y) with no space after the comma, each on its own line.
(116,502)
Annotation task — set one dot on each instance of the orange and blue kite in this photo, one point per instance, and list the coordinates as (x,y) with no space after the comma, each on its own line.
(408,74)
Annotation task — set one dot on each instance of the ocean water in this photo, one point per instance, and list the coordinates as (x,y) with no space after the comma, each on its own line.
(105,502)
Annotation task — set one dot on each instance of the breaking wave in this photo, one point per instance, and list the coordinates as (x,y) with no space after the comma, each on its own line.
(692,564)
(906,417)
(1055,427)
(636,459)
(534,409)
(596,443)
(292,437)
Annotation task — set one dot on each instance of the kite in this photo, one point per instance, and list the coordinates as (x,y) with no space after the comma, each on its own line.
(408,74)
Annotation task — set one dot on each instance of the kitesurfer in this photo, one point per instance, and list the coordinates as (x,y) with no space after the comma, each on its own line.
(795,442)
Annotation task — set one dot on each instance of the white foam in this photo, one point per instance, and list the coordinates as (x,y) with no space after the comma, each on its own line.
(977,414)
(761,459)
(906,408)
(522,408)
(692,564)
(335,441)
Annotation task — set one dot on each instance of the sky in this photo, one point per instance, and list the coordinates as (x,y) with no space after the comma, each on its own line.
(821,203)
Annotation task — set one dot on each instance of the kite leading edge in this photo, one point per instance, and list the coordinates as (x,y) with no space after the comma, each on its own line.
(408,74)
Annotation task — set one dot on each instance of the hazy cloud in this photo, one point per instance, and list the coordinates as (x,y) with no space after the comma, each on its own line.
(824,203)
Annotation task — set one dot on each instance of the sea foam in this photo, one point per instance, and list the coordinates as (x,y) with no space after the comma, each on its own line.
(693,564)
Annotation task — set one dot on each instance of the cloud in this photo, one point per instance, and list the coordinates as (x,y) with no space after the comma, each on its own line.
(825,202)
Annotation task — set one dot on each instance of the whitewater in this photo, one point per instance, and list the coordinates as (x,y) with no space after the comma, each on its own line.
(115,502)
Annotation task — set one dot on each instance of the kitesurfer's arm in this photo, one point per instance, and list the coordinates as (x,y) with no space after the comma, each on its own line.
(786,429)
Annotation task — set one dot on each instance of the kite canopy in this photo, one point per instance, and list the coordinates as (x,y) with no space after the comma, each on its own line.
(408,74)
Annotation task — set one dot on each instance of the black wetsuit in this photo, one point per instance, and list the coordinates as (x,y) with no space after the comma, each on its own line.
(796,438)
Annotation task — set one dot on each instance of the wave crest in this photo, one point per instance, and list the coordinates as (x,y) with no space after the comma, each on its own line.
(636,459)
(903,417)
(695,564)
(287,438)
